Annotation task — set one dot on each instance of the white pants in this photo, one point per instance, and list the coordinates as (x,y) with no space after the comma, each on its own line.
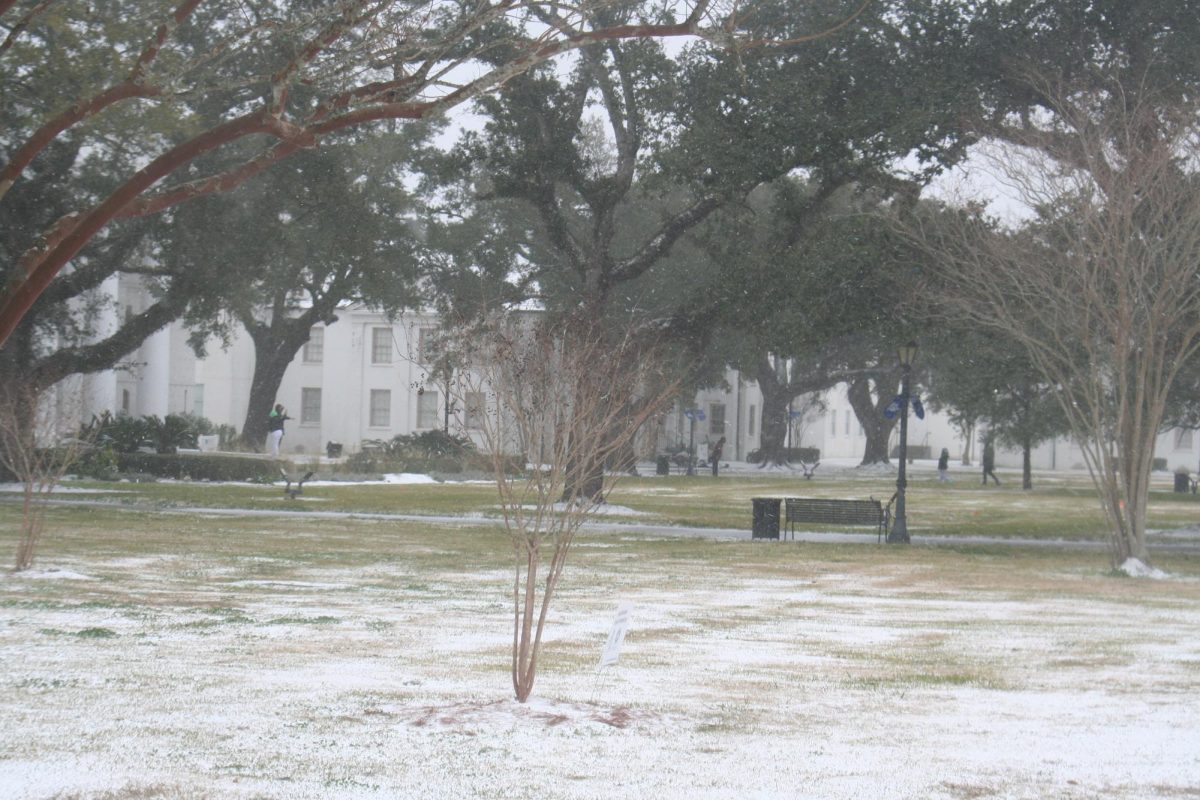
(273,442)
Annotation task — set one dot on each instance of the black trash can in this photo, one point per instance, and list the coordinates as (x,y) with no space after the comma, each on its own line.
(766,517)
(333,449)
(1183,483)
(662,466)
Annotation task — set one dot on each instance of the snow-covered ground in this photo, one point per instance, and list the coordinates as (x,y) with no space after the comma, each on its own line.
(199,674)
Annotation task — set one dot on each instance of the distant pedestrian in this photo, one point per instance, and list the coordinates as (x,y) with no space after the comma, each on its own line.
(715,456)
(944,465)
(989,463)
(275,422)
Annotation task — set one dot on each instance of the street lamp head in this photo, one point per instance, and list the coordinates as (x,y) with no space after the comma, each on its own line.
(907,353)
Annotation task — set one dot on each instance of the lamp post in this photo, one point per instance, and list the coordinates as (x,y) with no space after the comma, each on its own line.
(899,533)
(691,467)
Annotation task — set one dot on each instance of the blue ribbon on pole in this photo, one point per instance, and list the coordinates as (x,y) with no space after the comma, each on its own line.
(893,408)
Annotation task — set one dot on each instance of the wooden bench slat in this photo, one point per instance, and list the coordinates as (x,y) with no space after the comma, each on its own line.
(833,512)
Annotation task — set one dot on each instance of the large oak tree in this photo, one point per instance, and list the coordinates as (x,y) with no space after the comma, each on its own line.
(279,78)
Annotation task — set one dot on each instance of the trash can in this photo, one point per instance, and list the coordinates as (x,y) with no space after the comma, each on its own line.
(662,466)
(333,449)
(1183,483)
(766,517)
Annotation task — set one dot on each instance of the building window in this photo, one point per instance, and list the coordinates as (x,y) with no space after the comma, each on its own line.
(198,400)
(427,349)
(750,421)
(381,408)
(381,345)
(427,409)
(314,348)
(125,401)
(716,419)
(833,422)
(1183,440)
(310,406)
(475,409)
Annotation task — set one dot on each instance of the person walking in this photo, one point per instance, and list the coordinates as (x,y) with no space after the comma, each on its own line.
(989,463)
(714,457)
(275,422)
(944,465)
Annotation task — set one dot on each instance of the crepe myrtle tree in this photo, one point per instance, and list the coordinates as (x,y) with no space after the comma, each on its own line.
(37,454)
(568,396)
(273,78)
(1100,288)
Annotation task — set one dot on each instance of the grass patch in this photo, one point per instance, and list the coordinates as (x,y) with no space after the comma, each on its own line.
(299,627)
(1060,507)
(96,633)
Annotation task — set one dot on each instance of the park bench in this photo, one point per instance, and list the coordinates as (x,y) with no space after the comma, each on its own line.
(835,512)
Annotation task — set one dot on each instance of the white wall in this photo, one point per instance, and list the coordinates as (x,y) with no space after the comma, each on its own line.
(167,378)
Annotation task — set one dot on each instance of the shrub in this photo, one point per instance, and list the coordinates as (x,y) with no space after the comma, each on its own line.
(101,463)
(205,467)
(126,434)
(175,431)
(378,460)
(808,455)
(122,433)
(432,444)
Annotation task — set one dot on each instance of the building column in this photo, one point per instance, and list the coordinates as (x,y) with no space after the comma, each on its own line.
(99,389)
(154,390)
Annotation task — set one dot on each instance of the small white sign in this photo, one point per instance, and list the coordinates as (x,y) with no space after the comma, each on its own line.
(616,636)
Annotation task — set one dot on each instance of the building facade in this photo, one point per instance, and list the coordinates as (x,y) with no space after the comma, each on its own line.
(367,377)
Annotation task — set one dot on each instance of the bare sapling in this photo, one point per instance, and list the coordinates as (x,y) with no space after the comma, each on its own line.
(37,454)
(553,402)
(1100,287)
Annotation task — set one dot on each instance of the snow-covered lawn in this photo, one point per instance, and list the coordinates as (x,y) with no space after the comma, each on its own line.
(179,657)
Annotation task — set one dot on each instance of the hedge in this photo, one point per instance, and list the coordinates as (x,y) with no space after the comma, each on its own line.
(200,467)
(808,455)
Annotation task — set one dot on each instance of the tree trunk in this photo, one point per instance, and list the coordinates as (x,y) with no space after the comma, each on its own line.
(869,410)
(275,346)
(775,397)
(1026,465)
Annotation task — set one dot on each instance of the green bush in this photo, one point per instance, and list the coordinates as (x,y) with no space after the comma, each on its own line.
(808,455)
(431,444)
(173,432)
(377,461)
(201,467)
(101,463)
(126,434)
(425,452)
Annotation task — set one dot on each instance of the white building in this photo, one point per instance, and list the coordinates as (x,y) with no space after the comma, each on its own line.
(830,425)
(361,378)
(367,378)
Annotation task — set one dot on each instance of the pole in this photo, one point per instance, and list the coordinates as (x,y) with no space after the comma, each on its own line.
(446,418)
(899,532)
(691,469)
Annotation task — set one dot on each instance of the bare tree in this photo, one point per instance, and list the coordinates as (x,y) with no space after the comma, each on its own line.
(567,398)
(1101,289)
(34,451)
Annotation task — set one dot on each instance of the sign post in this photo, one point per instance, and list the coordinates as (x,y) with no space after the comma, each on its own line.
(616,637)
